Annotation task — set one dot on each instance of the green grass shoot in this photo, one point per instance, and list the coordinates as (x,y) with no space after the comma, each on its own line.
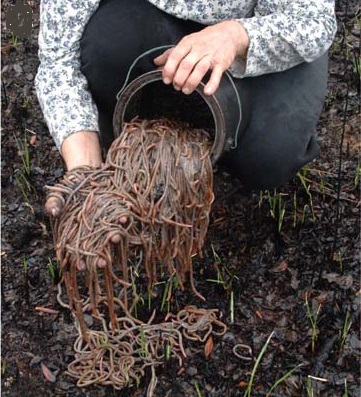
(282,379)
(345,330)
(198,391)
(248,391)
(313,318)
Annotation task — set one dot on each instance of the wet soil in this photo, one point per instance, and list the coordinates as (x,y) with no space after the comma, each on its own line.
(283,263)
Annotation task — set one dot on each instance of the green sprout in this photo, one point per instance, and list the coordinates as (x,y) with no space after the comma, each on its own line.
(302,177)
(126,367)
(138,298)
(216,257)
(25,265)
(277,206)
(23,150)
(282,379)
(217,263)
(248,391)
(168,350)
(26,103)
(55,271)
(357,66)
(143,344)
(345,330)
(198,391)
(227,284)
(150,300)
(313,320)
(272,202)
(281,213)
(13,40)
(24,185)
(167,290)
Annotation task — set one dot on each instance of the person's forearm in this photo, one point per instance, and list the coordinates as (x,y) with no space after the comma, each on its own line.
(82,148)
(61,87)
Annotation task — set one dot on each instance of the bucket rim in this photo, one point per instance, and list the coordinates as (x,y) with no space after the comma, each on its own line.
(126,94)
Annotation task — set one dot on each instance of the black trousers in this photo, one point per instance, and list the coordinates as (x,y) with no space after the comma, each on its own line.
(280,110)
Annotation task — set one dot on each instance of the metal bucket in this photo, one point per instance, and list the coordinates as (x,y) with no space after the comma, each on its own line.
(148,97)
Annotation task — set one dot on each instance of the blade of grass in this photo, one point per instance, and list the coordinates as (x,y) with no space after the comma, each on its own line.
(283,378)
(196,386)
(259,358)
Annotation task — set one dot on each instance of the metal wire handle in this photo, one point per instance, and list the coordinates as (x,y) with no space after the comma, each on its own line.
(226,73)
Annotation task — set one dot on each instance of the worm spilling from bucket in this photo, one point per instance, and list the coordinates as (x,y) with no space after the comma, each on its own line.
(145,211)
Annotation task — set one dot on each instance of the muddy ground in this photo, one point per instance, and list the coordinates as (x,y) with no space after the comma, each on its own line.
(287,259)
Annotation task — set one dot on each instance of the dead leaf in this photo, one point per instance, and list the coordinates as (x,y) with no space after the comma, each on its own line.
(294,283)
(208,347)
(259,314)
(36,360)
(242,384)
(49,375)
(322,297)
(336,256)
(281,267)
(342,281)
(32,140)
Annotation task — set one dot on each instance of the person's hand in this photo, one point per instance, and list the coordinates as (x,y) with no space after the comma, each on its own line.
(211,49)
(79,149)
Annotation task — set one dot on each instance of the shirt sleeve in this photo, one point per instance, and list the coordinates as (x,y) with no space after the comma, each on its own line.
(286,33)
(61,88)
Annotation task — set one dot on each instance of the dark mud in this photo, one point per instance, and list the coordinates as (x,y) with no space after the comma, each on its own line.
(271,252)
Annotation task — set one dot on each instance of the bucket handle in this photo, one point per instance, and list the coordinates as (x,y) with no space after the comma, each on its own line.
(166,47)
(163,47)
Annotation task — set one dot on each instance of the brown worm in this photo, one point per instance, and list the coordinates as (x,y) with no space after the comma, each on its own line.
(149,205)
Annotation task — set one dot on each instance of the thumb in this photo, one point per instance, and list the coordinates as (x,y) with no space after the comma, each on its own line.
(53,206)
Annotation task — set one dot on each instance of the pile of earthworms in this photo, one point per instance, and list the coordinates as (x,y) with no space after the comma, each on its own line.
(121,358)
(147,208)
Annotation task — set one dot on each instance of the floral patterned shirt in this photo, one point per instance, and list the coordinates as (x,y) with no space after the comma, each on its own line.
(283,33)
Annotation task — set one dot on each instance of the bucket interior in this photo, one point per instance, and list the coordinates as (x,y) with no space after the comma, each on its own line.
(156,100)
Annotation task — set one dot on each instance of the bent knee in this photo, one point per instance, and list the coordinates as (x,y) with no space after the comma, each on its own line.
(268,166)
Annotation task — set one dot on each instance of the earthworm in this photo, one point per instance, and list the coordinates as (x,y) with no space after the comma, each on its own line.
(130,349)
(244,347)
(154,194)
